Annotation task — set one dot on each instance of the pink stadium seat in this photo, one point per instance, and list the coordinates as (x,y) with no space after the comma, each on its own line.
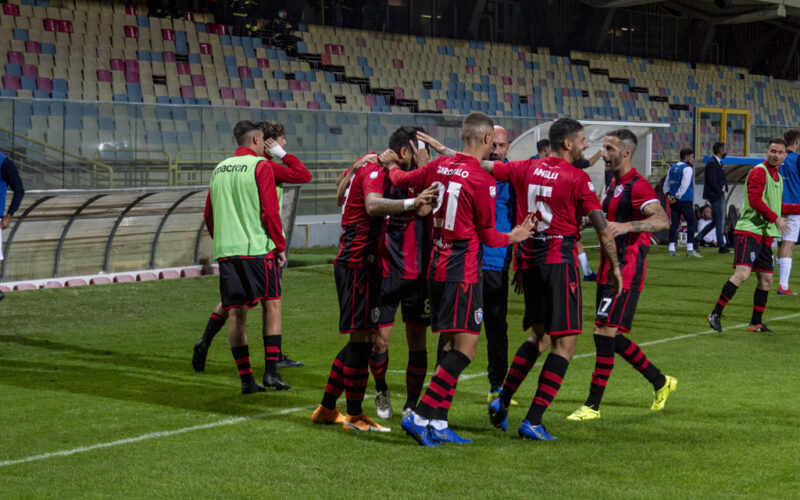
(11,82)
(169,56)
(205,48)
(399,93)
(103,75)
(44,84)
(244,72)
(100,280)
(116,65)
(146,276)
(239,94)
(265,103)
(294,85)
(15,57)
(370,100)
(25,286)
(4,289)
(506,80)
(397,63)
(51,24)
(441,104)
(470,70)
(263,63)
(226,92)
(124,278)
(187,91)
(242,102)
(131,32)
(212,28)
(328,48)
(191,272)
(76,282)
(30,70)
(338,50)
(521,56)
(198,80)
(188,16)
(10,9)
(305,86)
(183,68)
(168,275)
(168,35)
(312,105)
(325,59)
(131,10)
(51,284)
(132,65)
(507,97)
(278,104)
(131,77)
(33,47)
(64,26)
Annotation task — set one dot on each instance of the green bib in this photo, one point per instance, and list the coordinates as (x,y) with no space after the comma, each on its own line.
(238,230)
(750,220)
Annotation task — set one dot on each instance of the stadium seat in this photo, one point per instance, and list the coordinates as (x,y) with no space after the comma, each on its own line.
(100,280)
(190,272)
(146,276)
(25,286)
(75,282)
(51,284)
(124,278)
(168,274)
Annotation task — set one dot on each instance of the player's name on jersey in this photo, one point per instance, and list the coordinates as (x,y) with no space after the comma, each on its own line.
(547,174)
(452,171)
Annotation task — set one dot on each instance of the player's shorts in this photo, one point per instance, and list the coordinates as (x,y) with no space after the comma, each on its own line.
(274,279)
(456,307)
(752,253)
(412,295)
(792,228)
(553,298)
(359,293)
(615,311)
(242,280)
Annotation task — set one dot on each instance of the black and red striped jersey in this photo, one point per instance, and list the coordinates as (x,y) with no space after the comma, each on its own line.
(406,243)
(462,218)
(558,195)
(358,244)
(624,201)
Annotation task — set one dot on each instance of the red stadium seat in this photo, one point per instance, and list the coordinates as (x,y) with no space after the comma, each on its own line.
(183,68)
(131,10)
(51,24)
(124,278)
(191,272)
(312,105)
(64,26)
(10,9)
(131,32)
(132,65)
(44,84)
(169,56)
(100,280)
(51,284)
(226,92)
(263,63)
(30,70)
(146,276)
(11,82)
(169,274)
(187,91)
(242,102)
(244,72)
(265,103)
(104,75)
(198,80)
(168,35)
(76,282)
(25,286)
(397,63)
(131,77)
(33,47)
(15,57)
(239,94)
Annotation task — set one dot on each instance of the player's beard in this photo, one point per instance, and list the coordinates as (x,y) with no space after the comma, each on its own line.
(577,155)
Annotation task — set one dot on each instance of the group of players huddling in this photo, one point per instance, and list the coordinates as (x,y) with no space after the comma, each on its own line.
(412,231)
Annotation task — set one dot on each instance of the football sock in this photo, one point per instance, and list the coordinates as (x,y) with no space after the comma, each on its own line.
(759,303)
(213,326)
(522,363)
(634,355)
(356,375)
(553,371)
(671,247)
(584,260)
(241,354)
(690,247)
(416,370)
(443,409)
(272,353)
(727,294)
(378,363)
(603,365)
(335,385)
(446,376)
(785,269)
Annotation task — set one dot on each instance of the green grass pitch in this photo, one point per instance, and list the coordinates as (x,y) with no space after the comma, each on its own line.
(98,399)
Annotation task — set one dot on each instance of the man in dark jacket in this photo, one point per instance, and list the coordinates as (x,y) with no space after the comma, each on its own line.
(9,179)
(714,189)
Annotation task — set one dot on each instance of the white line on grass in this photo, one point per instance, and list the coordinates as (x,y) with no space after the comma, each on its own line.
(286,411)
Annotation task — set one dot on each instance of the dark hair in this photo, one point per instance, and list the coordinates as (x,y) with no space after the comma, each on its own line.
(402,136)
(272,130)
(626,136)
(473,126)
(791,136)
(540,145)
(686,152)
(562,129)
(717,147)
(242,130)
(776,140)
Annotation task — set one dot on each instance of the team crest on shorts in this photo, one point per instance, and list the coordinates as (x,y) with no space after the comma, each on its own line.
(618,191)
(478,315)
(375,313)
(753,256)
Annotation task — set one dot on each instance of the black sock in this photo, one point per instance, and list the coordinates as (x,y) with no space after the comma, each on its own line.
(335,385)
(213,326)
(727,294)
(378,363)
(521,365)
(759,303)
(272,353)
(356,376)
(241,355)
(416,370)
(603,365)
(553,371)
(634,355)
(446,376)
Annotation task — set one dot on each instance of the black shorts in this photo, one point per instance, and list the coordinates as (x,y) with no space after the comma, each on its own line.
(274,279)
(359,291)
(242,280)
(411,294)
(456,307)
(752,253)
(553,298)
(615,311)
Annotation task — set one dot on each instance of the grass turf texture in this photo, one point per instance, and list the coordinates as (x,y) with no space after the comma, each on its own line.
(91,365)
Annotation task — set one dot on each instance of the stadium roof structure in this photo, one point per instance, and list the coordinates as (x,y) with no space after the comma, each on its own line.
(719,11)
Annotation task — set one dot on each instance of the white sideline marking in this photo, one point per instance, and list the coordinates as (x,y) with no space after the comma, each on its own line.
(238,420)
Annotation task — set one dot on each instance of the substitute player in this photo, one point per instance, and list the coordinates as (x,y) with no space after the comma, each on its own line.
(791,194)
(758,225)
(357,282)
(9,178)
(633,213)
(463,218)
(558,194)
(242,214)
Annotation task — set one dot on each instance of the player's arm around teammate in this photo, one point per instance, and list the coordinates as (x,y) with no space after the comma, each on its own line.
(343,181)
